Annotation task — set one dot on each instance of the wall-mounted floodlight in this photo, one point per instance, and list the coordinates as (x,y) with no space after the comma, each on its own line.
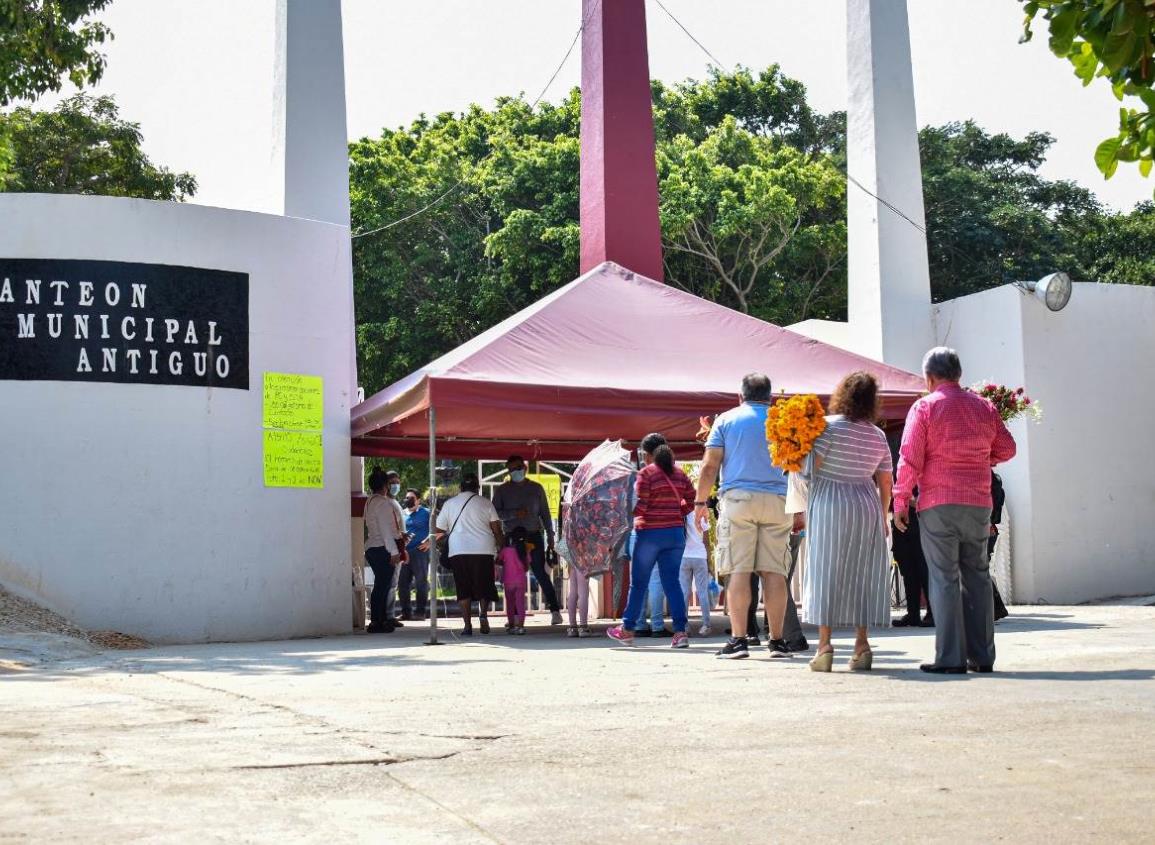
(1054,290)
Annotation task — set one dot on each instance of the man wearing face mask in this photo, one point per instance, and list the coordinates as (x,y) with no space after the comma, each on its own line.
(416,569)
(523,504)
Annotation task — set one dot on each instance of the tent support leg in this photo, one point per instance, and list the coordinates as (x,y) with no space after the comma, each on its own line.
(433,551)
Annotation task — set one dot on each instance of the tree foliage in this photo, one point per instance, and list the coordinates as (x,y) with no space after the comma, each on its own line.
(1110,39)
(82,147)
(44,41)
(990,217)
(740,155)
(753,211)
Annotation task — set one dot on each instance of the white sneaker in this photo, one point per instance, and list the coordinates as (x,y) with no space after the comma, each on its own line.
(556,620)
(704,631)
(520,631)
(571,632)
(584,632)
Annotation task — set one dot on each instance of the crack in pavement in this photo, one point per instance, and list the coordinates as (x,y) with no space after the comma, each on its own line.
(345,734)
(378,761)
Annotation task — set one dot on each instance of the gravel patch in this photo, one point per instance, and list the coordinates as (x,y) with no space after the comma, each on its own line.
(19,616)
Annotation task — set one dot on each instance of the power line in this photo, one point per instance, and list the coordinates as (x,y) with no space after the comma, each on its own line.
(690,35)
(895,209)
(553,78)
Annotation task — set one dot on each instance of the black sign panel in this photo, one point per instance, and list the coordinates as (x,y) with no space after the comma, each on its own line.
(114,321)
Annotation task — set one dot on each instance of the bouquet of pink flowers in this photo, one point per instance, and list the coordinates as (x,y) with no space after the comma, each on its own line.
(1009,402)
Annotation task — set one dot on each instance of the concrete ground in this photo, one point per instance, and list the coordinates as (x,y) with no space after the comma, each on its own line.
(543,739)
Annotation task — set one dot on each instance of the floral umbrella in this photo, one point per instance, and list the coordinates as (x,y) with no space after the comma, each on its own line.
(598,508)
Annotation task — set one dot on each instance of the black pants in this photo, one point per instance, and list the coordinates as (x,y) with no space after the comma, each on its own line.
(791,627)
(537,563)
(381,562)
(907,549)
(1001,611)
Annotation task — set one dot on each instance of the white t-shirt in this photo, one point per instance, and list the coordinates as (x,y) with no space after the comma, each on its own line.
(695,545)
(472,534)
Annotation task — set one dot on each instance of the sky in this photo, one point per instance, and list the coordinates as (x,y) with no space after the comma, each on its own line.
(198,74)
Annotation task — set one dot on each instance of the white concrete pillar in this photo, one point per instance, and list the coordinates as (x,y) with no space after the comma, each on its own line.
(311,143)
(310,137)
(889,297)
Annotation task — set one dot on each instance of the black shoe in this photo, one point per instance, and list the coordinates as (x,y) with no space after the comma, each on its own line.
(388,627)
(734,649)
(778,649)
(981,669)
(662,633)
(935,669)
(642,632)
(928,622)
(797,647)
(467,632)
(906,622)
(752,639)
(375,629)
(397,624)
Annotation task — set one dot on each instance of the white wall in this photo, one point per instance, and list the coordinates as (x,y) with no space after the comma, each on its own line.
(141,508)
(1082,490)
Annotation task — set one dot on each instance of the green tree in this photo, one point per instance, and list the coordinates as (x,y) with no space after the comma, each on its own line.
(990,217)
(742,215)
(84,147)
(1110,39)
(508,231)
(753,205)
(1119,249)
(44,41)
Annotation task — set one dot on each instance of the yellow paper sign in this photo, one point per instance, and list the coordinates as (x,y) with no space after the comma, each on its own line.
(294,459)
(552,485)
(293,401)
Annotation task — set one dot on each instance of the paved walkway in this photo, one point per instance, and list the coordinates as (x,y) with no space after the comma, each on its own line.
(542,739)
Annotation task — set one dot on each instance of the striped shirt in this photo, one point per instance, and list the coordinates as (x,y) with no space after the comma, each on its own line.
(852,451)
(952,439)
(663,501)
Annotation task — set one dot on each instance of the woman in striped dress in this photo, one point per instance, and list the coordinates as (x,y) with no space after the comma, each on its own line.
(847,566)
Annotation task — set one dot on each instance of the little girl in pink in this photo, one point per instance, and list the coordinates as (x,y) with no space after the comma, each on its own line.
(514,561)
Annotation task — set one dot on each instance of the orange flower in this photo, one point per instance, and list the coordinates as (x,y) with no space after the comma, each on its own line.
(792,426)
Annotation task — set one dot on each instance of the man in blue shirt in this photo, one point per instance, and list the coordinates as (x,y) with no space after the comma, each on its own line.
(417,567)
(753,526)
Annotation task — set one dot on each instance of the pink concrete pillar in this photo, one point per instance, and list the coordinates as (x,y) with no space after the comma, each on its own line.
(619,179)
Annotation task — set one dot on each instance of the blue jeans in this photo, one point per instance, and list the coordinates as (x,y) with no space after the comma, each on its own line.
(662,547)
(653,609)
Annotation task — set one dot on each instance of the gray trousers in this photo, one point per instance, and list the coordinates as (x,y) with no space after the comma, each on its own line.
(791,627)
(954,542)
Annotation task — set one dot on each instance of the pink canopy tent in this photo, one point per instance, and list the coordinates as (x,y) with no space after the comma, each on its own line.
(610,355)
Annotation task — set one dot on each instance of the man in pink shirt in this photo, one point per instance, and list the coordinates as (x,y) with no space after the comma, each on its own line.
(952,439)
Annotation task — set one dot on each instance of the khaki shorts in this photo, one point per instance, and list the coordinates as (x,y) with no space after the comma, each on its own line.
(753,533)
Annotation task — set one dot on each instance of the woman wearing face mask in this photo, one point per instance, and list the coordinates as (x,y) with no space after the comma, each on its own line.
(384,525)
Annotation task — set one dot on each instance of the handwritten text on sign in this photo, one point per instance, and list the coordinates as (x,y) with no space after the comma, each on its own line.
(293,401)
(552,485)
(294,459)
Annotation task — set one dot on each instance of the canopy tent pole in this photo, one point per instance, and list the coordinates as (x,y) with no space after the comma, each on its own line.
(433,550)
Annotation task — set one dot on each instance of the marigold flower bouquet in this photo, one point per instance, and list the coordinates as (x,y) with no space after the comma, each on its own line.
(792,426)
(1009,402)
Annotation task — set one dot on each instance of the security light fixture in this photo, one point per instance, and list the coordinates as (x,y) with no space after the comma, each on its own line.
(1053,290)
